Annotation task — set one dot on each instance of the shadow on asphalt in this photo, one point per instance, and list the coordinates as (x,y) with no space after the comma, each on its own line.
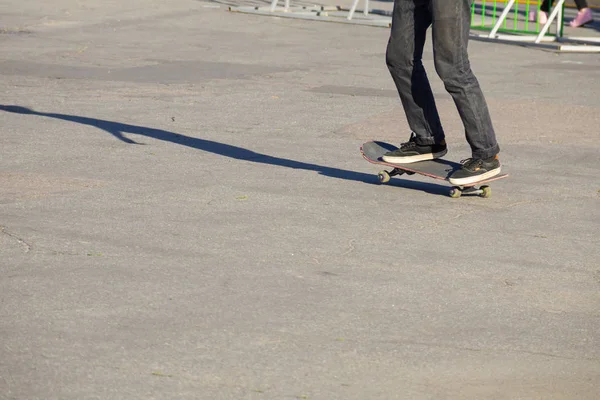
(118,130)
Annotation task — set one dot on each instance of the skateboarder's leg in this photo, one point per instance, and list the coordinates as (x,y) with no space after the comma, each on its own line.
(451,25)
(410,21)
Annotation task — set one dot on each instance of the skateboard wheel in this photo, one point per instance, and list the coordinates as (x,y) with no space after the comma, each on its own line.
(384,177)
(486,191)
(455,193)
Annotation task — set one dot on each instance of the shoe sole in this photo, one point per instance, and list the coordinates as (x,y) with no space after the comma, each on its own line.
(581,25)
(414,159)
(476,178)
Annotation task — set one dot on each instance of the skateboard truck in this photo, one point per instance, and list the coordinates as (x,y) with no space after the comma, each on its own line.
(384,176)
(484,191)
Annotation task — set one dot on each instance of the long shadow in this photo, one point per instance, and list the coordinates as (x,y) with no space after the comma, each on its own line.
(118,130)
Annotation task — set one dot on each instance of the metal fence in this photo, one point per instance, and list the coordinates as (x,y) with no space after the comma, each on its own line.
(514,17)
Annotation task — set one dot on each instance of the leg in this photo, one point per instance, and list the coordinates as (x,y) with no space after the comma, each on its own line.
(541,15)
(410,21)
(546,4)
(584,15)
(451,26)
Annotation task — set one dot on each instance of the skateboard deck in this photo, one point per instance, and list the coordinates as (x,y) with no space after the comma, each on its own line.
(438,169)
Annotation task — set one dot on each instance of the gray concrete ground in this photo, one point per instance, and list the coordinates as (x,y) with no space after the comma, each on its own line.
(184,214)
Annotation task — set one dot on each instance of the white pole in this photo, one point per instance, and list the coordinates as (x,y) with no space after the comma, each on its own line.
(559,21)
(557,9)
(352,9)
(502,18)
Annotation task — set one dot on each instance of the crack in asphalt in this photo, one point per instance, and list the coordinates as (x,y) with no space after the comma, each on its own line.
(26,245)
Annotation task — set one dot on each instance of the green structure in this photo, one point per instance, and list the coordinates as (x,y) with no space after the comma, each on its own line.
(486,14)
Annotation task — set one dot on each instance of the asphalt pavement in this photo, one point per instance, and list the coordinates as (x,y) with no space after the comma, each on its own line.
(185,214)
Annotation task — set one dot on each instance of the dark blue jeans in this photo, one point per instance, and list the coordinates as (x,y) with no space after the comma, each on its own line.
(450,21)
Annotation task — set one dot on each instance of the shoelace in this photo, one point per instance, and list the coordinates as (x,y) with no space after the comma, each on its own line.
(471,163)
(410,144)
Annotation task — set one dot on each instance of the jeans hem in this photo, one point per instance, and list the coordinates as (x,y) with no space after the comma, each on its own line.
(486,153)
(428,140)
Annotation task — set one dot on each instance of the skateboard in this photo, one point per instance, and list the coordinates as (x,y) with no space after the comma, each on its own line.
(437,169)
